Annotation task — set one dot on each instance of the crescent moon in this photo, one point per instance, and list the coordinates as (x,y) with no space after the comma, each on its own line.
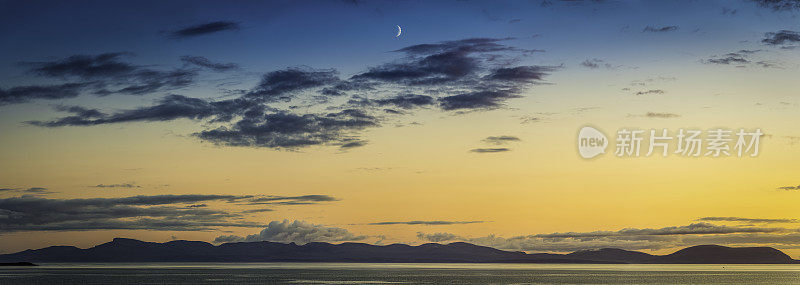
(399,31)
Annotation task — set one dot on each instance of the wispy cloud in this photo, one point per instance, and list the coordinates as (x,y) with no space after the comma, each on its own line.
(205,29)
(632,238)
(120,185)
(295,231)
(501,140)
(158,212)
(456,76)
(747,220)
(490,150)
(426,223)
(659,29)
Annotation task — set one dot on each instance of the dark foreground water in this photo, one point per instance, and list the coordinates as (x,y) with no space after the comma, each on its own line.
(370,273)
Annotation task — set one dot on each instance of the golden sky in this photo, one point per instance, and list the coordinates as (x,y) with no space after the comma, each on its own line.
(415,176)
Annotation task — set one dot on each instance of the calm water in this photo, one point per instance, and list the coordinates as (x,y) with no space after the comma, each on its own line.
(348,273)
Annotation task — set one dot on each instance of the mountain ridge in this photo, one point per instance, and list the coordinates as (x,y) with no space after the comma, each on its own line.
(132,250)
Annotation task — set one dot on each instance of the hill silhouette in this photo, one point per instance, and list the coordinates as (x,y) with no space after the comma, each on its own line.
(131,250)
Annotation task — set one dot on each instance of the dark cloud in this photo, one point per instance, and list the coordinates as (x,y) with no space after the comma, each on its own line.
(281,199)
(426,223)
(204,29)
(206,63)
(660,115)
(353,144)
(521,73)
(430,70)
(692,229)
(34,191)
(650,92)
(120,185)
(38,214)
(274,85)
(287,130)
(728,60)
(490,150)
(747,220)
(159,212)
(438,237)
(490,99)
(86,66)
(631,238)
(501,140)
(100,75)
(596,63)
(781,37)
(168,108)
(740,58)
(729,11)
(470,68)
(22,94)
(779,5)
(656,29)
(406,101)
(299,232)
(462,76)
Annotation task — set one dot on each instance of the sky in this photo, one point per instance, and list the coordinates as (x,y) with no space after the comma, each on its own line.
(305,121)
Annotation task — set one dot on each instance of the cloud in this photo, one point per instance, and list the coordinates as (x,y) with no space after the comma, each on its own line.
(739,58)
(426,223)
(501,140)
(746,220)
(275,84)
(287,130)
(406,101)
(157,212)
(299,232)
(121,185)
(490,150)
(205,29)
(168,108)
(438,237)
(22,94)
(659,115)
(596,63)
(630,238)
(206,63)
(525,74)
(31,191)
(100,75)
(353,144)
(656,29)
(650,92)
(781,37)
(728,60)
(462,76)
(107,70)
(729,11)
(293,200)
(477,100)
(789,187)
(779,5)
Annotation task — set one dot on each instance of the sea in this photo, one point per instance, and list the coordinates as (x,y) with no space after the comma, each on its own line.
(397,273)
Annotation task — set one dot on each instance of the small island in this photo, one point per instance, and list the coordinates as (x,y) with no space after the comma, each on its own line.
(17,264)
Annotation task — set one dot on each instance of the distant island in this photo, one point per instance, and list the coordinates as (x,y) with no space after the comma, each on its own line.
(131,250)
(17,264)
